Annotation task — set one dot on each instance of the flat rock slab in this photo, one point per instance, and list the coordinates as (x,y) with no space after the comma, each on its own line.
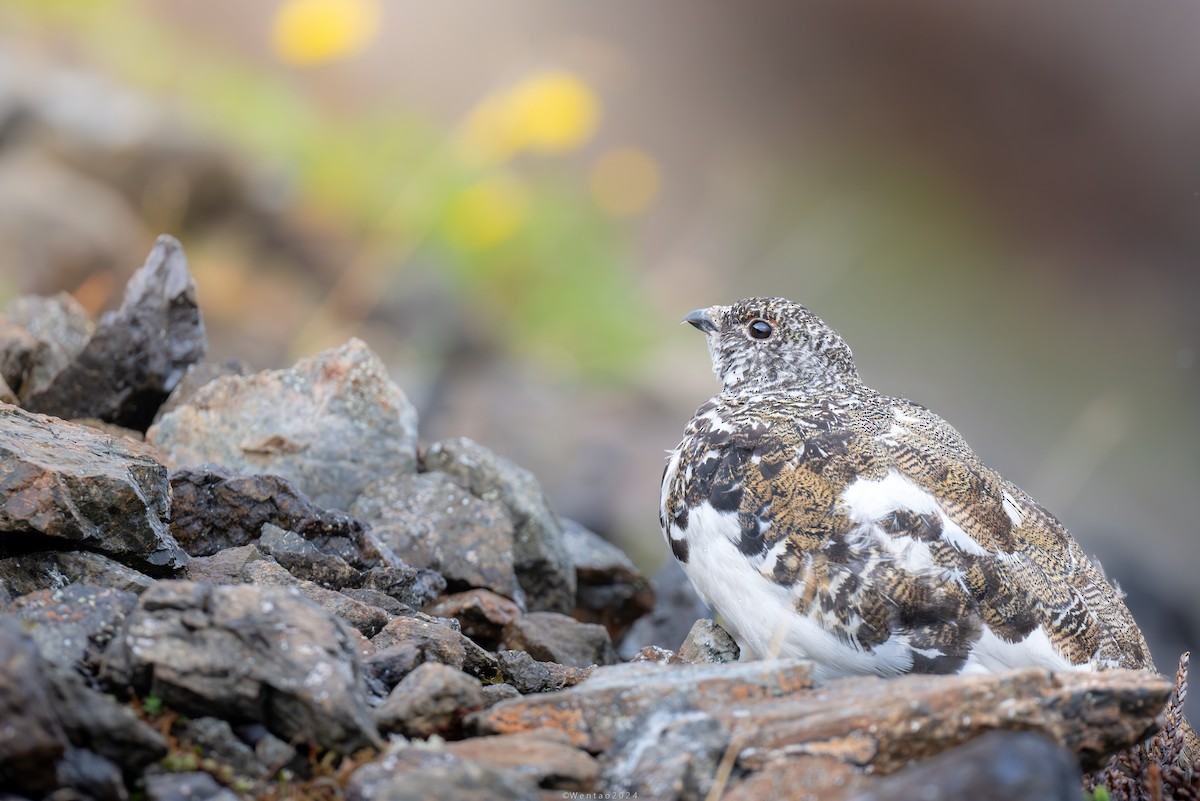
(553,764)
(74,483)
(138,353)
(248,654)
(593,713)
(886,723)
(331,425)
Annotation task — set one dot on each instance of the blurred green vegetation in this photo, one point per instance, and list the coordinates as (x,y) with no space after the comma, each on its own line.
(515,234)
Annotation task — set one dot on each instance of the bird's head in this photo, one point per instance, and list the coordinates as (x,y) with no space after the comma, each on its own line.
(773,344)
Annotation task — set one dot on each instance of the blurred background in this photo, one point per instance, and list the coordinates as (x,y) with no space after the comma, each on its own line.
(997,205)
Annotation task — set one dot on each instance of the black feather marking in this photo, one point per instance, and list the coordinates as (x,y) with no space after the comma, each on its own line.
(679,548)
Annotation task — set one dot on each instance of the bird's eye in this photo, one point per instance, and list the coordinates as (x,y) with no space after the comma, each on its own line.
(760,329)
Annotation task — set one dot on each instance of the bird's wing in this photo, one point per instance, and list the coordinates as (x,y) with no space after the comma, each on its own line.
(889,530)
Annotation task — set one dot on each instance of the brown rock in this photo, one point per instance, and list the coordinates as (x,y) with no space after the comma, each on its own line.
(887,723)
(432,699)
(551,637)
(6,393)
(72,483)
(49,570)
(553,764)
(592,713)
(482,614)
(806,778)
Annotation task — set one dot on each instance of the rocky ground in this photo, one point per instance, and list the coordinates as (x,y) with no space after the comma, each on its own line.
(216,583)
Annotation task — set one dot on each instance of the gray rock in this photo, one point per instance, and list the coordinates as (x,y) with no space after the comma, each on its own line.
(302,559)
(73,625)
(215,738)
(998,766)
(459,779)
(378,599)
(528,675)
(246,653)
(17,349)
(32,739)
(432,699)
(330,425)
(91,776)
(212,509)
(495,693)
(610,590)
(138,353)
(196,376)
(97,722)
(109,494)
(249,565)
(666,755)
(551,637)
(542,563)
(57,328)
(708,643)
(186,787)
(48,570)
(430,521)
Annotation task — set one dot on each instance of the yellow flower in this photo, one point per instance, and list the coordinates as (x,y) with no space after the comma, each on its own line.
(624,182)
(487,213)
(307,32)
(547,112)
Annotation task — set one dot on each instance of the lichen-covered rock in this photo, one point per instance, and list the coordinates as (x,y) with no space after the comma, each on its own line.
(540,556)
(138,353)
(73,625)
(75,484)
(246,653)
(520,670)
(708,643)
(666,755)
(431,521)
(331,425)
(406,642)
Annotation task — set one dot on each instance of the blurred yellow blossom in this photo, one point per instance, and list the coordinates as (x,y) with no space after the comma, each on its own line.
(547,112)
(624,182)
(307,32)
(487,212)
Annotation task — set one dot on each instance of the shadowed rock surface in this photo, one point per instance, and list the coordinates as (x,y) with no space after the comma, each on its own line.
(138,353)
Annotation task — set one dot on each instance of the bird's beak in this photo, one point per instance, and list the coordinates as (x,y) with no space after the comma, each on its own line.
(702,319)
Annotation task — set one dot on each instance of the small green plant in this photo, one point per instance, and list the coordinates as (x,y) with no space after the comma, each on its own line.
(152,705)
